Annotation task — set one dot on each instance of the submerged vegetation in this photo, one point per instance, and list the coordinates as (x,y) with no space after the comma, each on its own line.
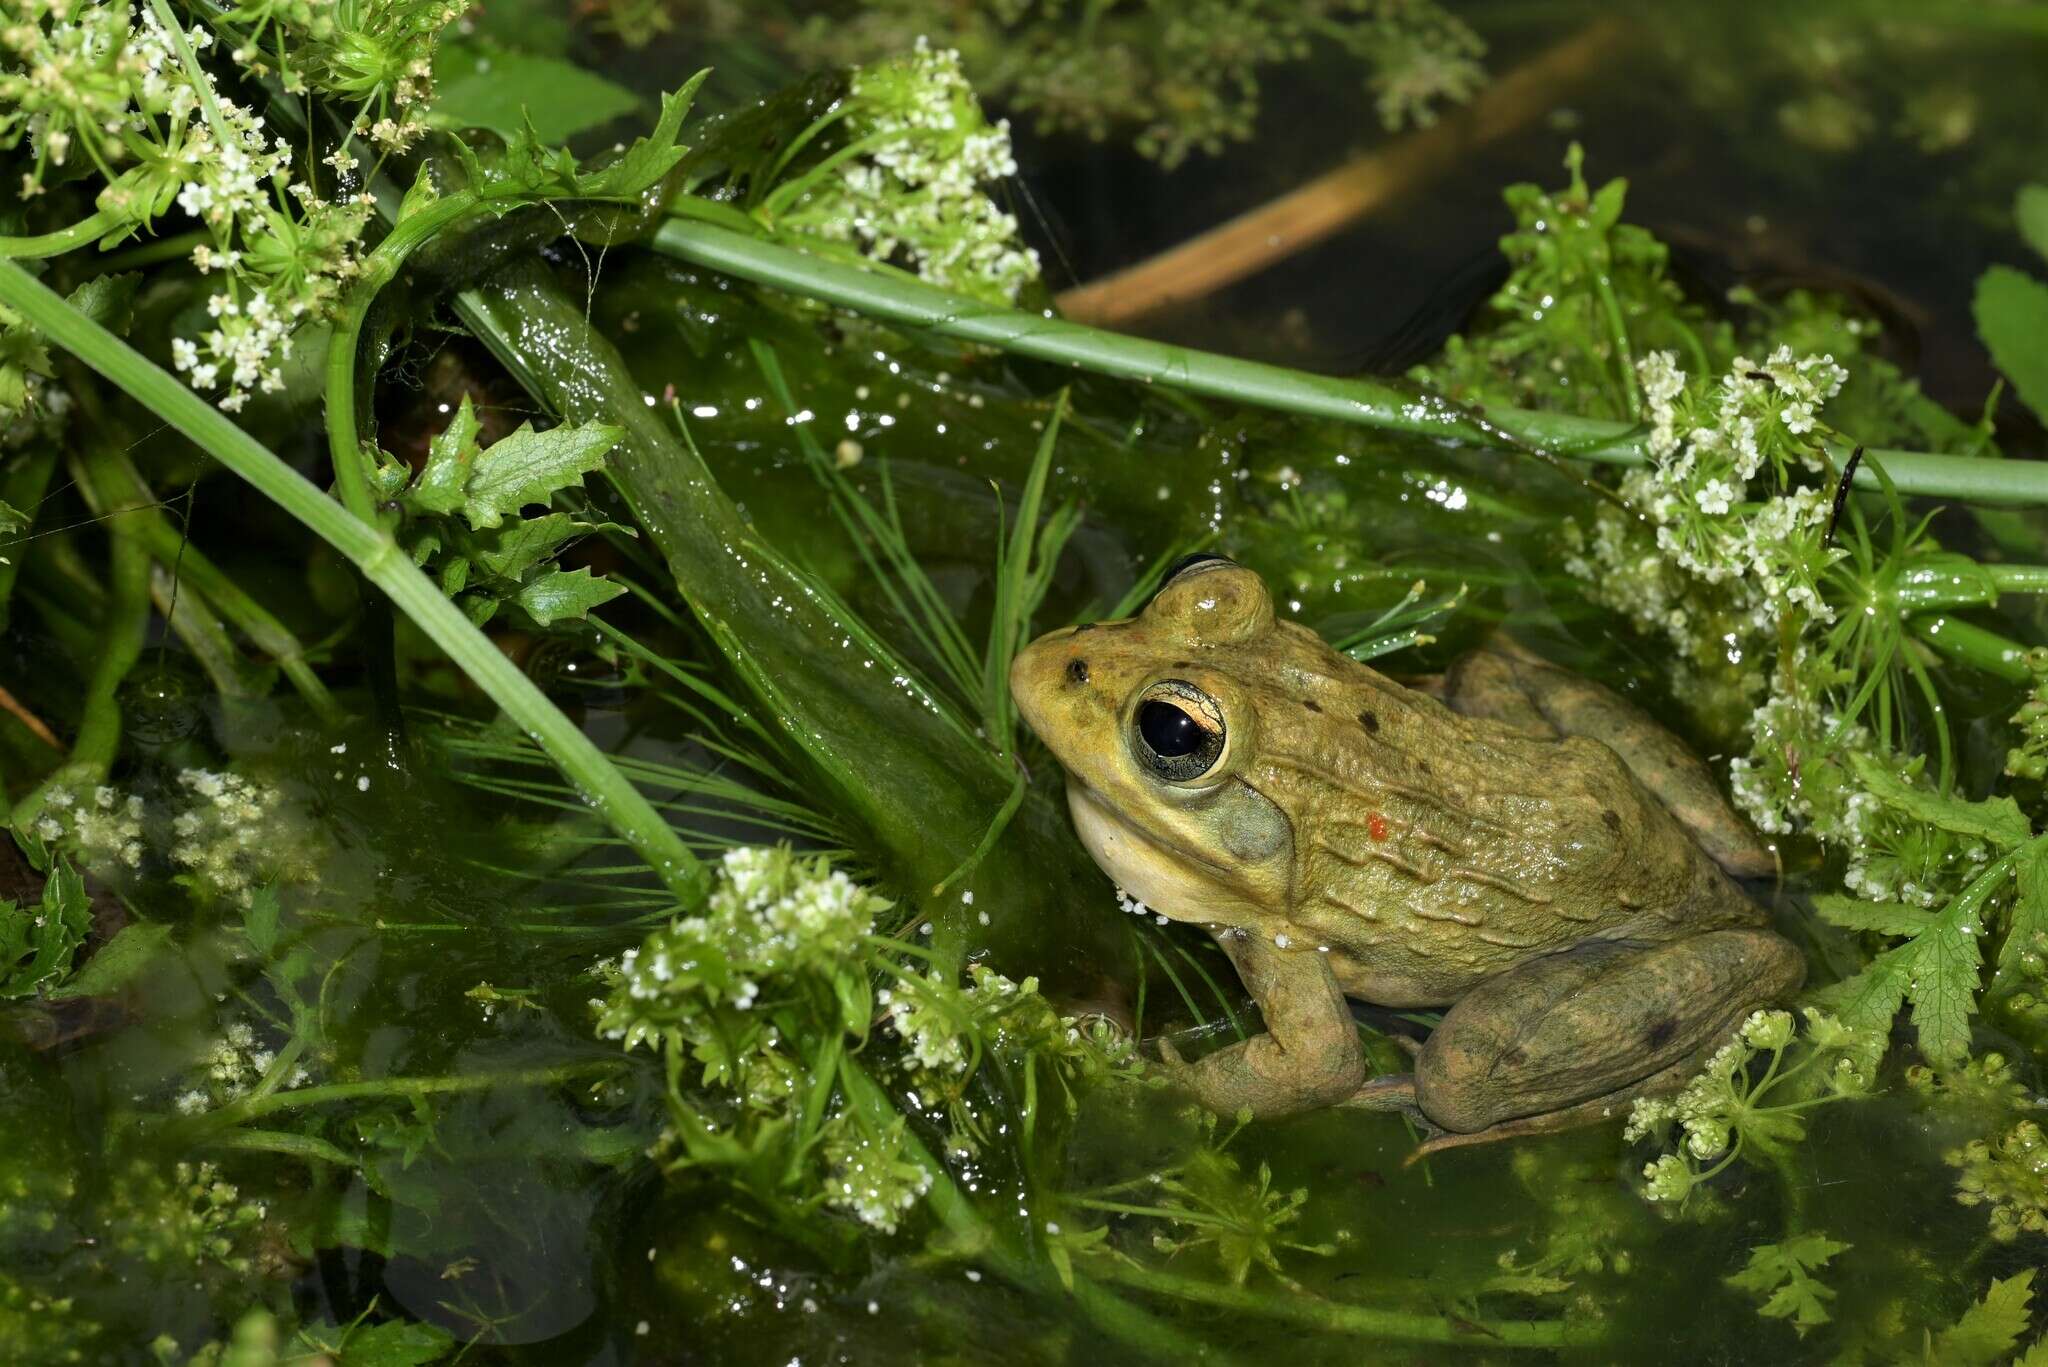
(594,895)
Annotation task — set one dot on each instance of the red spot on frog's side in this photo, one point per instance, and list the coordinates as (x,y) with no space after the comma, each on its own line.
(1377,825)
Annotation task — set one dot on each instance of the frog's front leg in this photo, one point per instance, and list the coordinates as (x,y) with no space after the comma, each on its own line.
(1572,1037)
(1309,1056)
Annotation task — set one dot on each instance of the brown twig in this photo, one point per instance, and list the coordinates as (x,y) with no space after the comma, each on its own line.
(13,706)
(1252,241)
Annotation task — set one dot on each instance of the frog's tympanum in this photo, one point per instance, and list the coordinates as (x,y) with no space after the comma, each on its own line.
(1511,842)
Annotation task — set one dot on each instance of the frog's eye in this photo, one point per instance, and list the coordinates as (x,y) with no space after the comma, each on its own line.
(1177,731)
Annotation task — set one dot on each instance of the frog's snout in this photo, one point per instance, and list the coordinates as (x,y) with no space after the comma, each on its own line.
(1052,665)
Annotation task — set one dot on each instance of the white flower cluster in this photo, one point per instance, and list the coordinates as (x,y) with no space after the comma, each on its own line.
(1723,1103)
(873,1179)
(772,914)
(231,838)
(927,1019)
(105,829)
(917,192)
(232,1066)
(104,82)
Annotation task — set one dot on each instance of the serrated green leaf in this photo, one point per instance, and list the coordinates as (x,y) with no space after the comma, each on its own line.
(1988,1330)
(119,962)
(1782,1274)
(1943,985)
(1998,820)
(555,595)
(1888,918)
(2030,215)
(2029,915)
(510,551)
(2036,1356)
(455,575)
(502,91)
(395,1343)
(2011,309)
(12,519)
(440,489)
(37,944)
(528,467)
(649,158)
(108,300)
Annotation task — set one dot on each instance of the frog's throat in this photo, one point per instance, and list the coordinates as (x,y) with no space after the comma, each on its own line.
(1171,881)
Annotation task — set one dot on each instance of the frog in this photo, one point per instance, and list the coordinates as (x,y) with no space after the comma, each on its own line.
(1509,843)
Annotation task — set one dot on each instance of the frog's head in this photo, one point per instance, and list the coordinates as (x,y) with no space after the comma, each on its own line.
(1156,719)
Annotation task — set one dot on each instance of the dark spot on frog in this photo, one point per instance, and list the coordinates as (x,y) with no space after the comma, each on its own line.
(1612,818)
(1369,722)
(1311,704)
(1661,1032)
(1423,765)
(1077,671)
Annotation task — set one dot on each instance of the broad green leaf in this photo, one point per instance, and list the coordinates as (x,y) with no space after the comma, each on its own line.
(557,594)
(2036,1356)
(12,519)
(259,921)
(395,1343)
(2030,214)
(439,490)
(1998,820)
(37,943)
(1988,1330)
(528,467)
(2011,309)
(649,158)
(503,91)
(1889,918)
(118,962)
(1868,1002)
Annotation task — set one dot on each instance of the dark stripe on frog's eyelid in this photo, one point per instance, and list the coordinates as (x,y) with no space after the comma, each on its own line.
(1311,704)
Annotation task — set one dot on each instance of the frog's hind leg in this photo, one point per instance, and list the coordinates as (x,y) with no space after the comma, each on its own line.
(1598,1111)
(1567,1038)
(1508,684)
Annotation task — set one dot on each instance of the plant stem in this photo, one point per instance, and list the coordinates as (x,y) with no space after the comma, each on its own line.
(255,1107)
(897,298)
(1972,645)
(2018,578)
(980,1239)
(344,443)
(195,571)
(1337,1317)
(86,230)
(121,633)
(615,800)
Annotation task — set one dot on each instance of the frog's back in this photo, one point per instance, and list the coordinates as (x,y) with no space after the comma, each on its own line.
(1434,850)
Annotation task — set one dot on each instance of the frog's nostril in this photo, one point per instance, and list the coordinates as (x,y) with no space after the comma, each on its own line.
(1077,671)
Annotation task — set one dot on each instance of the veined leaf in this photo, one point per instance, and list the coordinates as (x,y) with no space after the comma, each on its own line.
(118,962)
(1988,1330)
(439,489)
(1998,820)
(557,594)
(37,943)
(649,158)
(1887,918)
(510,551)
(528,467)
(2011,309)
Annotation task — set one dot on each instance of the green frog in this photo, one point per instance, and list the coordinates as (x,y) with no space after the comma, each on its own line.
(1508,841)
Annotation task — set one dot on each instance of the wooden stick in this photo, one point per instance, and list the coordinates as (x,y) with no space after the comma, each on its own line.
(1252,241)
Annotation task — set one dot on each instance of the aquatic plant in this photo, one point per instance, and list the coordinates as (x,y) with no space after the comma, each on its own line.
(808,935)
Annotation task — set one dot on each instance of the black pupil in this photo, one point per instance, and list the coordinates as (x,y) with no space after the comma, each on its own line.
(1168,730)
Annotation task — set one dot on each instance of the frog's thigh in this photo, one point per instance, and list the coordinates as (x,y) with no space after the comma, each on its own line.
(1559,702)
(1309,1056)
(1592,1021)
